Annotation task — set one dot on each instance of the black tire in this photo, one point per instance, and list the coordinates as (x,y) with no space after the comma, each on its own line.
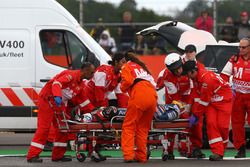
(148,154)
(80,157)
(164,157)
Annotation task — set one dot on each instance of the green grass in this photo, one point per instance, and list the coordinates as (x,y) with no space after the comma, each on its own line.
(113,153)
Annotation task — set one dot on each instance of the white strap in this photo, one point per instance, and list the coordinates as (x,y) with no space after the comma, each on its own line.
(86,102)
(38,145)
(56,82)
(59,144)
(215,140)
(198,100)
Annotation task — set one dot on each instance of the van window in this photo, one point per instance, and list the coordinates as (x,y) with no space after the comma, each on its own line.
(63,48)
(77,52)
(53,47)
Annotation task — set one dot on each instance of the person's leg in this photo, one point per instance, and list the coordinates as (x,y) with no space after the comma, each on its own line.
(238,121)
(213,131)
(223,121)
(128,132)
(60,146)
(142,129)
(196,134)
(45,117)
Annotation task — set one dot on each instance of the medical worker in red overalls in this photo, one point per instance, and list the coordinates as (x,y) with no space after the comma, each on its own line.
(106,80)
(239,68)
(215,100)
(55,96)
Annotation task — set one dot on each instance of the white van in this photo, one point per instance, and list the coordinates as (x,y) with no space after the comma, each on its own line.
(38,39)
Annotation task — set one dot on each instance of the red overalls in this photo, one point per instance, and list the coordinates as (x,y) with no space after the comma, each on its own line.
(67,85)
(239,69)
(215,99)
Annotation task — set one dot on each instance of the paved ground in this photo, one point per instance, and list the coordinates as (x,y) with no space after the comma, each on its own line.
(20,142)
(21,161)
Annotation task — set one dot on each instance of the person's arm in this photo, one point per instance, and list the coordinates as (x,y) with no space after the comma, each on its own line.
(122,98)
(206,93)
(199,23)
(172,91)
(84,103)
(209,24)
(57,84)
(227,71)
(127,78)
(99,79)
(160,80)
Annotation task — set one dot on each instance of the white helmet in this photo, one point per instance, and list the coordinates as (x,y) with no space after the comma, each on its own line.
(173,61)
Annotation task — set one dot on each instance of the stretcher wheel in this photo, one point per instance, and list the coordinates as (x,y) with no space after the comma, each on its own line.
(81,157)
(167,156)
(164,157)
(97,157)
(148,154)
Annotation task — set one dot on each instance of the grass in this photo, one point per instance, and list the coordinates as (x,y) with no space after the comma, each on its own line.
(112,153)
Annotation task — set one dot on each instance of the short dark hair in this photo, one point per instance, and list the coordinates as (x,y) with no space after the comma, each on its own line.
(189,66)
(190,48)
(86,65)
(116,58)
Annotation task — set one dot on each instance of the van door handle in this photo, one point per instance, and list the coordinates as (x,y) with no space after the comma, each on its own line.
(44,80)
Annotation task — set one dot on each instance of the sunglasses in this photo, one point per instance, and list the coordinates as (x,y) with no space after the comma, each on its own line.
(243,47)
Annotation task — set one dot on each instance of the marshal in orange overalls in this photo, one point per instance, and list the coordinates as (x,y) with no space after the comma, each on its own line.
(141,108)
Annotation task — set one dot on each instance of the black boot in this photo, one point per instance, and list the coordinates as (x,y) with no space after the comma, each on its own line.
(63,159)
(48,146)
(196,153)
(215,157)
(35,160)
(241,152)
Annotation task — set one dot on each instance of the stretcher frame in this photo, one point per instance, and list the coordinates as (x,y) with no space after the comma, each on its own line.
(109,133)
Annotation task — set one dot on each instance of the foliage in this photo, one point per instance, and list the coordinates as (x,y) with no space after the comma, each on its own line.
(109,12)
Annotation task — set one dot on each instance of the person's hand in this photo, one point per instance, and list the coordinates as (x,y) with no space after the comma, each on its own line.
(193,120)
(58,100)
(187,108)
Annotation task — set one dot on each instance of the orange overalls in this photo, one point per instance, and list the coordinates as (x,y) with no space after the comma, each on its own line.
(141,108)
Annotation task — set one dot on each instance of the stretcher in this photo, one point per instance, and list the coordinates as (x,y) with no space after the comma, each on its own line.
(96,133)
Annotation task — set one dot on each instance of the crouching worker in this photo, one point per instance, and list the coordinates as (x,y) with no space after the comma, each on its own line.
(215,99)
(55,96)
(140,85)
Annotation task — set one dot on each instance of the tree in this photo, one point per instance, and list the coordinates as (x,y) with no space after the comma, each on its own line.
(193,10)
(127,5)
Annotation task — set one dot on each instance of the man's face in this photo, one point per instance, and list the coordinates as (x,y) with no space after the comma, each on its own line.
(178,71)
(118,65)
(192,74)
(244,47)
(88,73)
(190,55)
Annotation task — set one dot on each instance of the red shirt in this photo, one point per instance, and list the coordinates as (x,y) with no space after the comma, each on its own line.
(67,85)
(240,70)
(212,90)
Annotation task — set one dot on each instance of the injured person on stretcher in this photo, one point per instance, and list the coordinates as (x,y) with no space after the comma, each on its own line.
(168,112)
(97,126)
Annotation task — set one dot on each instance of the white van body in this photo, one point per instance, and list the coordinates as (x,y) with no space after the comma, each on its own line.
(24,67)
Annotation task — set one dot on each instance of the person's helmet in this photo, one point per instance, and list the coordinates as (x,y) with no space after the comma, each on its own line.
(167,112)
(173,61)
